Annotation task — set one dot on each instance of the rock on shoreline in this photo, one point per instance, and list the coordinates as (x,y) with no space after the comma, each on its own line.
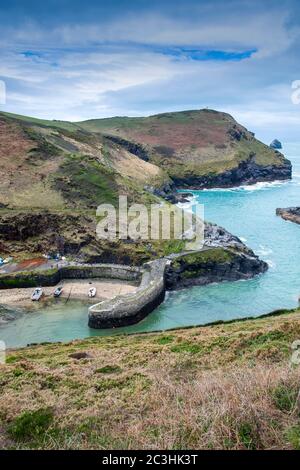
(290,213)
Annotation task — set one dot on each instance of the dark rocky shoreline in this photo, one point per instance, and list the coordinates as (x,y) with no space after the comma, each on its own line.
(199,269)
(247,172)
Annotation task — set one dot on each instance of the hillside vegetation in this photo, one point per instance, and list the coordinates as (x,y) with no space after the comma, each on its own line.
(54,174)
(228,386)
(190,143)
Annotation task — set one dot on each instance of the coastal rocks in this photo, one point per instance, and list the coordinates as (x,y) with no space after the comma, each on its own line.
(213,265)
(276,144)
(247,172)
(290,213)
(169,193)
(7,314)
(216,236)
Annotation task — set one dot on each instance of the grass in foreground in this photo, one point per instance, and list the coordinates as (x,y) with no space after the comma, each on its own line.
(225,386)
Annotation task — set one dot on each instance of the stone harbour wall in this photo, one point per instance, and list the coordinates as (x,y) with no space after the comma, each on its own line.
(130,308)
(51,277)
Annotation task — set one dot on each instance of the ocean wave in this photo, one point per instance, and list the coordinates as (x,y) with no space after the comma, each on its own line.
(187,206)
(264,251)
(262,185)
(271,263)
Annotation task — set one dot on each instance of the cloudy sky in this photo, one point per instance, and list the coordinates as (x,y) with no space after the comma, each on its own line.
(77,60)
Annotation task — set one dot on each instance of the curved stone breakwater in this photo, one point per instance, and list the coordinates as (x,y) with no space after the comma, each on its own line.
(130,308)
(211,264)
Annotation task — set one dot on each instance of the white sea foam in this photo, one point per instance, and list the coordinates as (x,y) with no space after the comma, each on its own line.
(262,185)
(271,264)
(264,251)
(187,206)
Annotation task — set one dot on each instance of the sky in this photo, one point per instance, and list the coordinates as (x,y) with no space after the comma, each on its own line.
(76,60)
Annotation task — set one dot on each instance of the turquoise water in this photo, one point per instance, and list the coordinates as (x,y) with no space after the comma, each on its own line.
(248,212)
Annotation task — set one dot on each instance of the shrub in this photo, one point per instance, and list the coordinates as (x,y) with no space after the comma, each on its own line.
(285,397)
(293,436)
(109,369)
(31,424)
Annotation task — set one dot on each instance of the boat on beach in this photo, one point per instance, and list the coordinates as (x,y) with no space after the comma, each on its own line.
(58,291)
(92,292)
(37,294)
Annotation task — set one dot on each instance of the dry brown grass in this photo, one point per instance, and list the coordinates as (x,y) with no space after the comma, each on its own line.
(221,387)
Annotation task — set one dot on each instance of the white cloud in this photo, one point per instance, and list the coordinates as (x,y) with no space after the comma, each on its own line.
(124,66)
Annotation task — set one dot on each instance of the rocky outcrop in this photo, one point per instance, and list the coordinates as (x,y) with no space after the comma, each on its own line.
(132,147)
(276,144)
(247,172)
(213,265)
(43,231)
(216,236)
(290,213)
(169,193)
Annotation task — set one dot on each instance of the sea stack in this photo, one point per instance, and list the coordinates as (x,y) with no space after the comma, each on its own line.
(276,144)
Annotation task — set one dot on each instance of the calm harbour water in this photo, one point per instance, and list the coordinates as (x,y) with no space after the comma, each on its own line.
(248,212)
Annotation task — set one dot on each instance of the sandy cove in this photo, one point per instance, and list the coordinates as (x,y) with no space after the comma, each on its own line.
(72,289)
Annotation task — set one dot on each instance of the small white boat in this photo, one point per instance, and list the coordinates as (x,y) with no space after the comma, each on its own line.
(58,291)
(92,292)
(37,294)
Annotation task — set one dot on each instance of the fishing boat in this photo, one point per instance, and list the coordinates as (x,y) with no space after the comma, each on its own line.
(37,294)
(92,292)
(58,291)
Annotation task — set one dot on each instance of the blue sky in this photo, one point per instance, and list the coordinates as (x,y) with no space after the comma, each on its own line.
(79,60)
